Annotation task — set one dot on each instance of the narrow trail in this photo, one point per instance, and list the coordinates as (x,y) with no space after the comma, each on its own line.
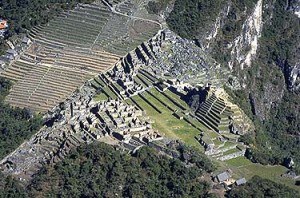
(113,9)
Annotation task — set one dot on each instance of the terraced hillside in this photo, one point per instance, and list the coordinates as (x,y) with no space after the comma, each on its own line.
(74,47)
(217,113)
(129,106)
(216,125)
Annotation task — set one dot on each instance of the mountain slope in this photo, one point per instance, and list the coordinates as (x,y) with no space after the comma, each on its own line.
(259,42)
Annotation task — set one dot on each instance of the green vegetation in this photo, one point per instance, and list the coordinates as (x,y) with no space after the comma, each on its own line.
(194,18)
(259,187)
(155,7)
(98,170)
(189,17)
(9,187)
(100,97)
(243,167)
(275,138)
(166,122)
(239,161)
(23,15)
(16,124)
(177,99)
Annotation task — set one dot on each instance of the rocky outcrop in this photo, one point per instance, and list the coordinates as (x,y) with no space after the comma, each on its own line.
(243,26)
(240,46)
(219,22)
(268,97)
(244,47)
(294,6)
(294,77)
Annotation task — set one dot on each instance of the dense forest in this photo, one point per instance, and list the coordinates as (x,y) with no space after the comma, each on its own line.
(193,19)
(189,17)
(25,14)
(16,124)
(98,170)
(155,7)
(259,187)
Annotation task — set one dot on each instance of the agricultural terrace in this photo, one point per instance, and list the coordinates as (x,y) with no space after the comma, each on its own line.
(72,48)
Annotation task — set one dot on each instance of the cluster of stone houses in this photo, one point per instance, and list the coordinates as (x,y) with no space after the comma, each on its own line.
(138,62)
(127,123)
(181,59)
(125,80)
(13,52)
(79,120)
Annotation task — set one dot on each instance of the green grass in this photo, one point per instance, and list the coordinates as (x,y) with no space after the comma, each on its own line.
(172,127)
(137,80)
(110,93)
(167,124)
(231,151)
(100,97)
(144,79)
(94,83)
(243,167)
(230,135)
(118,86)
(239,161)
(206,130)
(177,99)
(217,142)
(164,99)
(129,102)
(228,144)
(223,128)
(99,81)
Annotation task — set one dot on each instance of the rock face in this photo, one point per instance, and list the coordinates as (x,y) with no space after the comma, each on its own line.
(294,77)
(196,97)
(294,5)
(244,47)
(241,39)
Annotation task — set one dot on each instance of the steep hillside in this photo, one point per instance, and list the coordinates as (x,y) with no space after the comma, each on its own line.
(258,187)
(98,170)
(23,15)
(221,76)
(15,124)
(259,41)
(61,50)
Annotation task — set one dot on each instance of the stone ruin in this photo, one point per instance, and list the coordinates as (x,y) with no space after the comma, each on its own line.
(82,120)
(79,120)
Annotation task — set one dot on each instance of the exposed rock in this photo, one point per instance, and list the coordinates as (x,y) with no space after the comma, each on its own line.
(244,47)
(294,6)
(196,97)
(294,77)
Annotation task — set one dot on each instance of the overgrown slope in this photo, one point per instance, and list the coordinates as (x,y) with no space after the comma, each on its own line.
(16,124)
(259,187)
(98,170)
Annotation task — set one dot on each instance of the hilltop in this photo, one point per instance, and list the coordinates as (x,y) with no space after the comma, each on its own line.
(213,83)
